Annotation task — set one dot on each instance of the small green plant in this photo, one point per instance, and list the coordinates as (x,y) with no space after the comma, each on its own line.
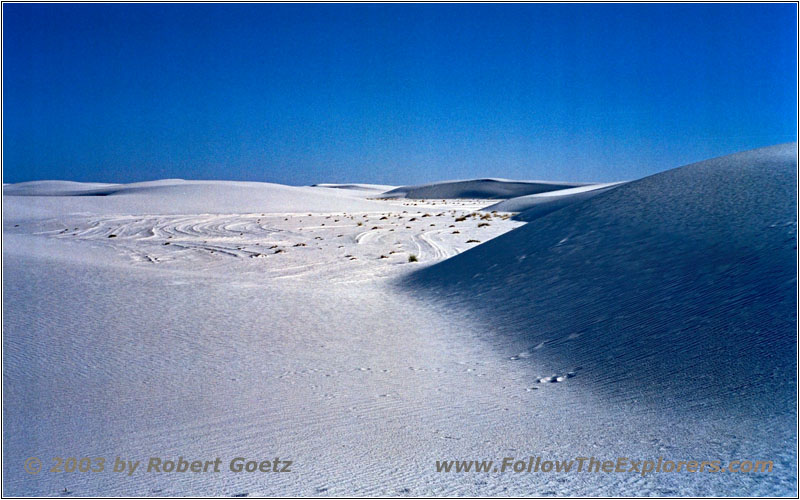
(412,258)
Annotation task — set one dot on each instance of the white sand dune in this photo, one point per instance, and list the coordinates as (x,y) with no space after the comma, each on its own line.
(357,187)
(223,319)
(53,188)
(174,196)
(533,206)
(477,188)
(676,291)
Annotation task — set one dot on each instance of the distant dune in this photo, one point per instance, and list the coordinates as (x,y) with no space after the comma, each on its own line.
(54,188)
(357,187)
(174,196)
(477,188)
(676,290)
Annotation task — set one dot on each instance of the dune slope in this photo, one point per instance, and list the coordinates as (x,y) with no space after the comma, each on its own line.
(533,206)
(677,290)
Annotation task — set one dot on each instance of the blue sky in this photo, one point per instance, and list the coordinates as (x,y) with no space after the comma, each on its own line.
(390,93)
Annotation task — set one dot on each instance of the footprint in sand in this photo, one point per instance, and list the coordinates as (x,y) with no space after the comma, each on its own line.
(558,378)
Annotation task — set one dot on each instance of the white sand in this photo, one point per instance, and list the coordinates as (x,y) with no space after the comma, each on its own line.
(365,373)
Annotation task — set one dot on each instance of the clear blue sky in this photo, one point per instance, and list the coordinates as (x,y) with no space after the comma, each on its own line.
(391,93)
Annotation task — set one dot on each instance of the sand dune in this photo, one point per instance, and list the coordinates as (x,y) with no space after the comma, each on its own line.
(676,291)
(357,187)
(533,206)
(477,188)
(174,196)
(55,188)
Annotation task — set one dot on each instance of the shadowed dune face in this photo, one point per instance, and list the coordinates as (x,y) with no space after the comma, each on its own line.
(677,290)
